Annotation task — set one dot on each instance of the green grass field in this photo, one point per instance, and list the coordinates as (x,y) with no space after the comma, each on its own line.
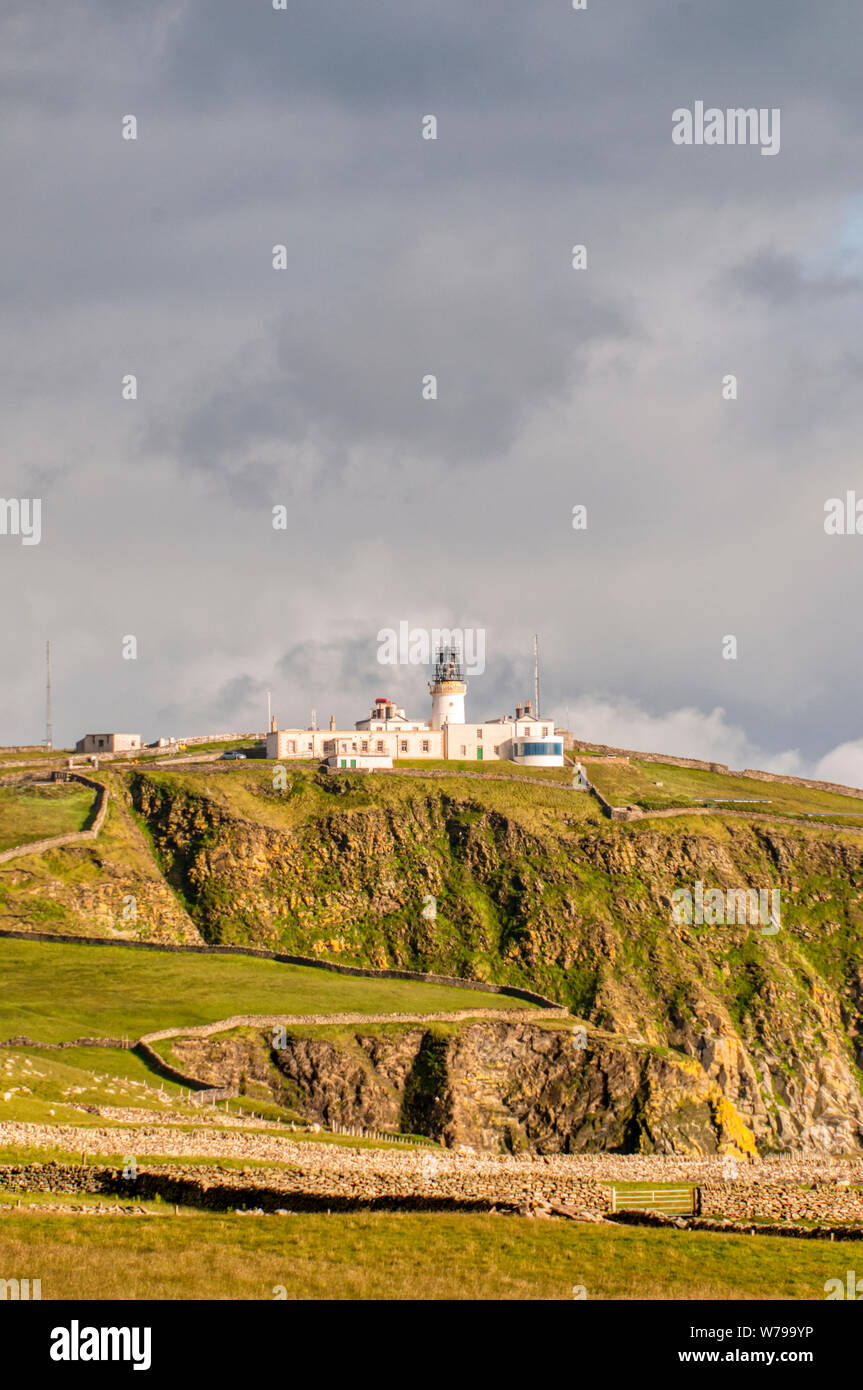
(58,992)
(45,1087)
(401,1256)
(500,766)
(632,783)
(35,813)
(246,790)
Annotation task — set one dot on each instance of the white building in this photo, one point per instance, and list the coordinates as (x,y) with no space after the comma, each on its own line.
(108,743)
(388,733)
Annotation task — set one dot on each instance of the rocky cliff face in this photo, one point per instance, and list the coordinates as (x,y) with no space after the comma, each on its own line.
(489,1085)
(530,886)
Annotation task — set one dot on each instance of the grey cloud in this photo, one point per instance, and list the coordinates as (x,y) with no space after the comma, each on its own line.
(406,258)
(780,280)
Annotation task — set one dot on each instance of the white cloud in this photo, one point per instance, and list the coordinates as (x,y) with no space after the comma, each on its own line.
(692,733)
(686,733)
(842,764)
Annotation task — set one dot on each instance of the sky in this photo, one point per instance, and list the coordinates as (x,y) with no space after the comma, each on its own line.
(557,387)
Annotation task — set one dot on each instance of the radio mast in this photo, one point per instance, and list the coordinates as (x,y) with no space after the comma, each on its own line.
(49,732)
(536,673)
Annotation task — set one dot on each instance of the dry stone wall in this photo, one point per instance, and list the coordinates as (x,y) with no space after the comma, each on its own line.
(75,837)
(740,1201)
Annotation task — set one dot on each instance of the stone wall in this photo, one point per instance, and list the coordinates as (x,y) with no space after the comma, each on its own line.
(267,1021)
(415,1186)
(75,837)
(745,1201)
(836,787)
(407,1182)
(624,755)
(700,765)
(76,1042)
(630,813)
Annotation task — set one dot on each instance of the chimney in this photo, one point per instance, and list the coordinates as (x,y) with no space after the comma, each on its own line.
(273,725)
(332,723)
(518,711)
(527,707)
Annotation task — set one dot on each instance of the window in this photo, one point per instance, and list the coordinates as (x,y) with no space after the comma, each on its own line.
(311,748)
(479,733)
(542,750)
(545,731)
(380,745)
(404,745)
(425,745)
(464,750)
(365,745)
(292,745)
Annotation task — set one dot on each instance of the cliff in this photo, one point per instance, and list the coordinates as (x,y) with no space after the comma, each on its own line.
(531,886)
(499,1085)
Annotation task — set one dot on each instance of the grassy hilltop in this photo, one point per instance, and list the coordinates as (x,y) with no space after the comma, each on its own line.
(519,880)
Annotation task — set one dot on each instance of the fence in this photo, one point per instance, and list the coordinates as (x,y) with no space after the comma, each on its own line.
(358,1132)
(670,1201)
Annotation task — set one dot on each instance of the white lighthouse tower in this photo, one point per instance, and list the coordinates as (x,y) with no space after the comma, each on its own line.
(448,689)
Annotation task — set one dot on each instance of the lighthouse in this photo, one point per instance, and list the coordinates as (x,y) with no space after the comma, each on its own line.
(448,689)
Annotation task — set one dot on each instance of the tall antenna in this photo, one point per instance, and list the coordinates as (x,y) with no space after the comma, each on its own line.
(49,732)
(314,719)
(269,713)
(536,673)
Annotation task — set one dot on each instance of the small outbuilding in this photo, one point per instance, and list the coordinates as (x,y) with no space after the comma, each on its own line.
(108,743)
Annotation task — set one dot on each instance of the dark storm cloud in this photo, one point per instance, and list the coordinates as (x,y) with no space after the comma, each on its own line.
(781,281)
(351,369)
(406,258)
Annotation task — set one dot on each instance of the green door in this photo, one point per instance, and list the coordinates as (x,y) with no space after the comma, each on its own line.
(344,762)
(479,754)
(353,762)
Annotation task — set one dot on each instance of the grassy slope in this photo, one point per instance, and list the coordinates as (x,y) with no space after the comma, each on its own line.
(404,1256)
(45,1087)
(522,874)
(86,889)
(533,886)
(36,813)
(623,783)
(58,992)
